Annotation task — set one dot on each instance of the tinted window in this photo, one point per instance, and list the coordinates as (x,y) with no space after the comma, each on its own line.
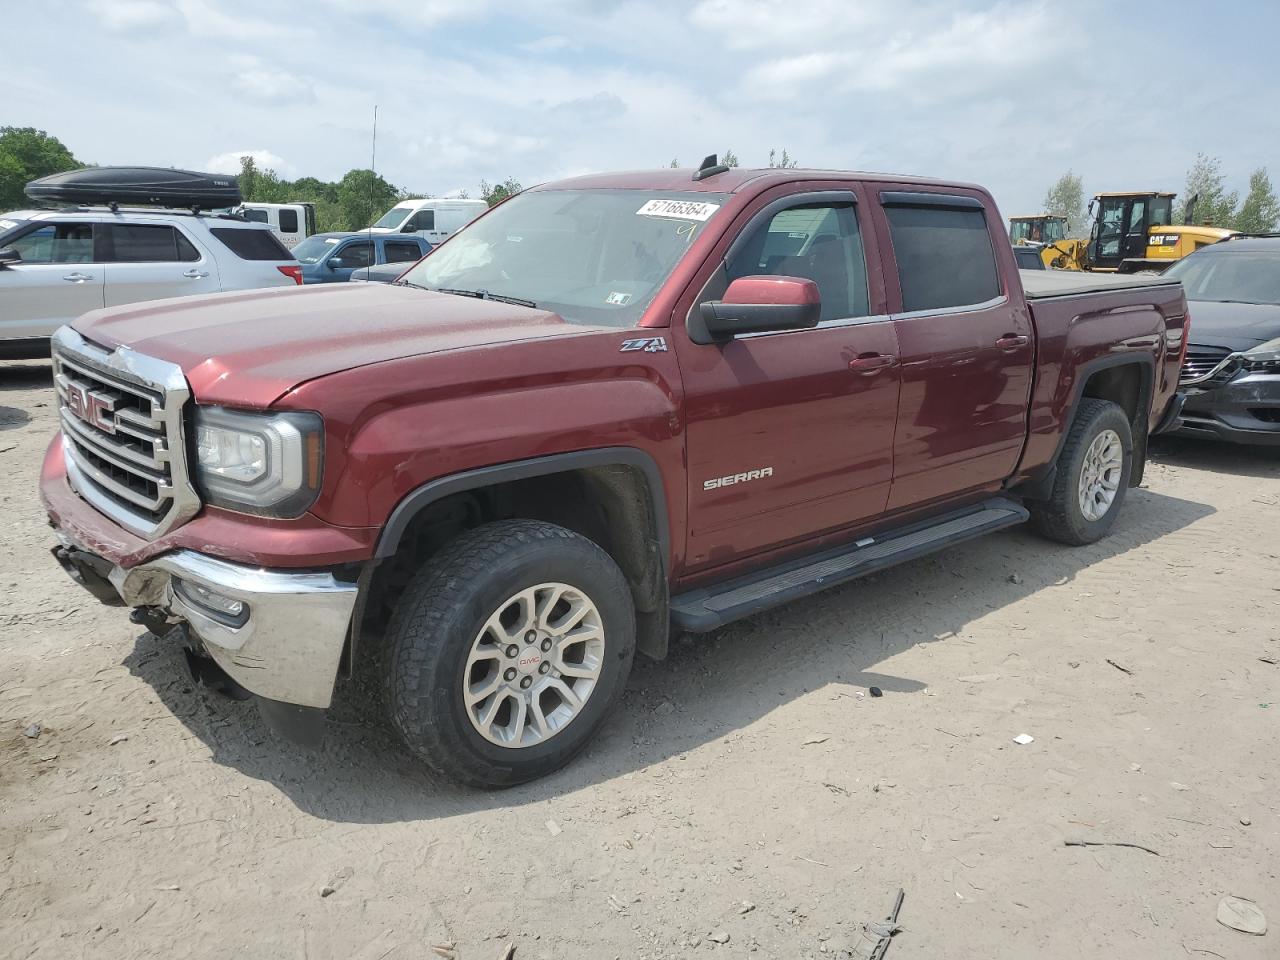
(422,220)
(288,221)
(356,254)
(56,243)
(252,244)
(399,251)
(944,255)
(138,243)
(256,216)
(818,242)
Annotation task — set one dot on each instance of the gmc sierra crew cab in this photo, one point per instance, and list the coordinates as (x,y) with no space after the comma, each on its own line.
(611,408)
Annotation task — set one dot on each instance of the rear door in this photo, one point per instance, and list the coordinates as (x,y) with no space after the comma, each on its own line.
(148,261)
(790,433)
(59,278)
(965,348)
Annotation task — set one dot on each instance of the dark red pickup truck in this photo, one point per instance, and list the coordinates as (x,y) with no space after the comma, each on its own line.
(611,407)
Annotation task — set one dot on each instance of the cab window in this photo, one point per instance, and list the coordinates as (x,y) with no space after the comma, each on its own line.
(56,243)
(818,242)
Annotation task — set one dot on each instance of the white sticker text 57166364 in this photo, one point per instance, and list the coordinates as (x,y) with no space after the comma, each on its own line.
(679,209)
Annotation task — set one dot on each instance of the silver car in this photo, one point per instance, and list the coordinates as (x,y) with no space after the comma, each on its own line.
(57,264)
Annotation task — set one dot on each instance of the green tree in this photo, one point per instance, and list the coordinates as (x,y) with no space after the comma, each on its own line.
(784,162)
(1066,199)
(675,164)
(27,154)
(1260,210)
(1205,182)
(729,158)
(497,192)
(363,196)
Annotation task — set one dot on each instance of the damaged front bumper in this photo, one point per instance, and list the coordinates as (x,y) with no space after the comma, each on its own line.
(279,634)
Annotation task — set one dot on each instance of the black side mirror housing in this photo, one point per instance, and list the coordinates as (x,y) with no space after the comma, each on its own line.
(9,255)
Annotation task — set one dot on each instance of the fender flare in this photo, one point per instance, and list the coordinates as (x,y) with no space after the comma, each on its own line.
(1039,485)
(427,494)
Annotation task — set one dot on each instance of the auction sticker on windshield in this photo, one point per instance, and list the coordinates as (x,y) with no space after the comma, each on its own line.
(679,209)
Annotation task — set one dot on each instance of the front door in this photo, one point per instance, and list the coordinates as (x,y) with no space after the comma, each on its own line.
(350,256)
(1135,233)
(965,351)
(58,278)
(790,434)
(155,261)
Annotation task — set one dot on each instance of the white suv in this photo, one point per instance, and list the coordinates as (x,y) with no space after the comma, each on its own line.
(58,264)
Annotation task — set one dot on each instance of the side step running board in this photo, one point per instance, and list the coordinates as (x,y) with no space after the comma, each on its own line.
(701,610)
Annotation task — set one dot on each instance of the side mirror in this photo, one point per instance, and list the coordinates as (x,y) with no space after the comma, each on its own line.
(9,255)
(334,263)
(760,304)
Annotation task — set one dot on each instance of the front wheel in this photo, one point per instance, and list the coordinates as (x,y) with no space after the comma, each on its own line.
(1093,475)
(507,650)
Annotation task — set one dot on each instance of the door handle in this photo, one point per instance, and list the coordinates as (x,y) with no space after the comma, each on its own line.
(870,364)
(78,277)
(194,274)
(1012,341)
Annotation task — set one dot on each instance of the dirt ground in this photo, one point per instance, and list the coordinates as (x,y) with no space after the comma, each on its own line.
(748,789)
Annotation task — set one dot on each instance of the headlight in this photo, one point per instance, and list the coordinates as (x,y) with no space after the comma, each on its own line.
(262,463)
(1264,358)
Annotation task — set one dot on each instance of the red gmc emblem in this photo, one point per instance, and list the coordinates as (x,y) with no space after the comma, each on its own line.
(93,408)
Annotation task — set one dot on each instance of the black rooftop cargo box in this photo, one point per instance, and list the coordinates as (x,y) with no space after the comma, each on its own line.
(148,186)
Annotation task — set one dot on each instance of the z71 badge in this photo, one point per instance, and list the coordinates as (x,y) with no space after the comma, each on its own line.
(647,344)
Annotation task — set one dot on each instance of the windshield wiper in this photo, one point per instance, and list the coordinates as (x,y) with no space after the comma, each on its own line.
(486,295)
(408,283)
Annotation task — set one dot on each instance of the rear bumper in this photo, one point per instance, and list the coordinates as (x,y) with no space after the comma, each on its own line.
(1246,410)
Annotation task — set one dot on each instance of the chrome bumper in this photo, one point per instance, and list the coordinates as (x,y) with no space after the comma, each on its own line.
(289,643)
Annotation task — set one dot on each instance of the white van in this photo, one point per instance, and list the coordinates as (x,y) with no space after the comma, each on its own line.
(291,222)
(433,219)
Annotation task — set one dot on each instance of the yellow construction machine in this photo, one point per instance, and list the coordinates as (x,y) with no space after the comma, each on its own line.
(1131,233)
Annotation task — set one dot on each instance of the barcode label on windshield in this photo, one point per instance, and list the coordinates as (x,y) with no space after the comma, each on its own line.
(679,209)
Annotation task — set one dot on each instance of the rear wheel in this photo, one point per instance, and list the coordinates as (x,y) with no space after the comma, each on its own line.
(507,650)
(1093,475)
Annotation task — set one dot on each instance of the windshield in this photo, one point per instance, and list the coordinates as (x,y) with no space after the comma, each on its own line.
(1039,230)
(9,226)
(394,217)
(592,256)
(1241,277)
(315,249)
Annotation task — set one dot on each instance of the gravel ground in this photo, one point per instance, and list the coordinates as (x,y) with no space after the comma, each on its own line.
(747,798)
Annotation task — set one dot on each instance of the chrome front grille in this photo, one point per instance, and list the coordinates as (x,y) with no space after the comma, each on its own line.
(1209,366)
(122,433)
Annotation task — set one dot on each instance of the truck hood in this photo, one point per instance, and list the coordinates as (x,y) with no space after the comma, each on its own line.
(250,347)
(1236,326)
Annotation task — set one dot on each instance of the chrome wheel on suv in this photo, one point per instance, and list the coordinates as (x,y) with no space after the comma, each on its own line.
(534,665)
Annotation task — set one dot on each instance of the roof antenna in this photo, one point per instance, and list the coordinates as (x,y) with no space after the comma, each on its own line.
(709,168)
(373,173)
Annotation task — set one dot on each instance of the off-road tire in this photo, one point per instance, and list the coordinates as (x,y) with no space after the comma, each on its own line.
(1060,517)
(438,617)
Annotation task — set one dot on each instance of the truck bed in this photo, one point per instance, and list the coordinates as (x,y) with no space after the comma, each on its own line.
(1039,284)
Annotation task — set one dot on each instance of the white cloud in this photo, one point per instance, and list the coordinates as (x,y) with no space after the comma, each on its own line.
(269,84)
(229,162)
(551,44)
(121,15)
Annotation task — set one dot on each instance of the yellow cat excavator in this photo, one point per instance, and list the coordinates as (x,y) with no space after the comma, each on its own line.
(1131,233)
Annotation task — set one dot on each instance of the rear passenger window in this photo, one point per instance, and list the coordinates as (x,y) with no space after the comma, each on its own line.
(818,242)
(252,244)
(398,252)
(945,258)
(288,221)
(139,243)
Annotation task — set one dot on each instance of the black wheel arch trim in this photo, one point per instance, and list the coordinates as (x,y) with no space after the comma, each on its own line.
(1043,477)
(481,477)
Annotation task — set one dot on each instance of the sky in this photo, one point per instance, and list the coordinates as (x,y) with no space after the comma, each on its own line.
(1007,94)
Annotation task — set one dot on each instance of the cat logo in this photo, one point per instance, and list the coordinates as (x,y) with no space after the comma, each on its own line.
(730,480)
